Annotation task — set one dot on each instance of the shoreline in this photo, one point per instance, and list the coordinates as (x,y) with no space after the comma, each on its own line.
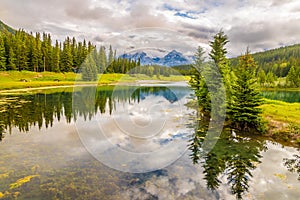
(85,84)
(277,129)
(280,89)
(24,81)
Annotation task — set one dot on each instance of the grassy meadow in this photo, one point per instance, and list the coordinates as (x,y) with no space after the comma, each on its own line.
(25,79)
(283,120)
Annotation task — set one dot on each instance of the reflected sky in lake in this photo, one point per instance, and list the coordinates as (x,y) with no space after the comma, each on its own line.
(140,135)
(46,134)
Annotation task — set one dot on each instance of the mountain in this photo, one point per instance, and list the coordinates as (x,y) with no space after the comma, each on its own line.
(173,58)
(4,27)
(139,55)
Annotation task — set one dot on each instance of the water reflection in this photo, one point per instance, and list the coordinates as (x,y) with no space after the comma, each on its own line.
(1,131)
(287,96)
(293,164)
(143,133)
(25,111)
(233,158)
(141,128)
(54,152)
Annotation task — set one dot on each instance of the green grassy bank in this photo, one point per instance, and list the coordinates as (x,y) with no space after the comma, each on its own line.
(25,79)
(283,120)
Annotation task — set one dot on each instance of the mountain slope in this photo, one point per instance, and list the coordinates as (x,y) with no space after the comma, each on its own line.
(173,58)
(4,27)
(278,61)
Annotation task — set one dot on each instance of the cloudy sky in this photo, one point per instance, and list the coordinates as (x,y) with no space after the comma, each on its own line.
(161,25)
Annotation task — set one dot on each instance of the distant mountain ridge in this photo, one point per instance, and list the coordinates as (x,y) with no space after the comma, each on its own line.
(4,27)
(173,58)
(277,61)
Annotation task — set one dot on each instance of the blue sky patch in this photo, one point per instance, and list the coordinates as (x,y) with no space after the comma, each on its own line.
(185,15)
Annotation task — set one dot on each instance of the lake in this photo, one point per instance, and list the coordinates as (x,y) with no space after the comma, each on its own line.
(287,96)
(131,142)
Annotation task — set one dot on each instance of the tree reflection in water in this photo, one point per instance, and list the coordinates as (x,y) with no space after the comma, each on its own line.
(1,131)
(42,108)
(231,157)
(293,164)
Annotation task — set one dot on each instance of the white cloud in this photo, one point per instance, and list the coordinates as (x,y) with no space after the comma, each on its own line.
(260,24)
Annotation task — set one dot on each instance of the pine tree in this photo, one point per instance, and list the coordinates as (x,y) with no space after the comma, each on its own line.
(293,78)
(46,49)
(21,50)
(40,62)
(49,53)
(244,111)
(102,60)
(56,57)
(150,71)
(218,55)
(90,47)
(11,65)
(110,55)
(81,54)
(270,79)
(218,51)
(32,54)
(96,57)
(66,57)
(74,51)
(89,69)
(111,61)
(2,55)
(197,81)
(262,77)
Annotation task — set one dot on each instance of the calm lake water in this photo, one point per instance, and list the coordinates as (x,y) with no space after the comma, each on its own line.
(130,142)
(287,96)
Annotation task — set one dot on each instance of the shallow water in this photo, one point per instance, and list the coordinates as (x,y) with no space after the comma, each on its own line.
(128,142)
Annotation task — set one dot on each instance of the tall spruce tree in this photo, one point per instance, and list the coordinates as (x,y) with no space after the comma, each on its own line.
(197,81)
(32,63)
(74,51)
(218,56)
(56,57)
(293,78)
(244,111)
(21,50)
(261,77)
(66,57)
(45,47)
(40,62)
(89,69)
(2,55)
(102,60)
(110,55)
(83,52)
(11,64)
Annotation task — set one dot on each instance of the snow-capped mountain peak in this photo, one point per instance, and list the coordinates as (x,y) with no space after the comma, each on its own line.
(172,58)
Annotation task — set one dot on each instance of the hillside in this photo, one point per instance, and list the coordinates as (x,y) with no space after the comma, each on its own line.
(279,60)
(4,27)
